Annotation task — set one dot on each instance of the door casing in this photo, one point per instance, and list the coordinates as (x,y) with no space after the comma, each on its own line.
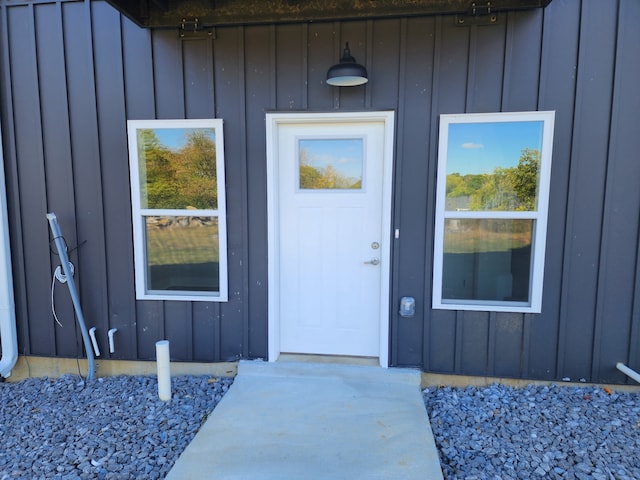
(273,122)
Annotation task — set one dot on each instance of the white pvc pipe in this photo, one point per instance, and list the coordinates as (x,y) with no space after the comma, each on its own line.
(112,346)
(627,371)
(8,331)
(164,370)
(94,341)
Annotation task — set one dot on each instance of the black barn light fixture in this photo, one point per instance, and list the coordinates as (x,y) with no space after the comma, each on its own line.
(347,73)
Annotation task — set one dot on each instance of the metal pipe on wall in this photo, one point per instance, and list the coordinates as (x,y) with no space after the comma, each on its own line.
(62,252)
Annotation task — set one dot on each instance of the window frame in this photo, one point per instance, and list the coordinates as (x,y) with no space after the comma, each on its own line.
(539,216)
(342,138)
(140,214)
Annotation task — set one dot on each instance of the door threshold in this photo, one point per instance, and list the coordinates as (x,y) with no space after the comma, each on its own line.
(330,359)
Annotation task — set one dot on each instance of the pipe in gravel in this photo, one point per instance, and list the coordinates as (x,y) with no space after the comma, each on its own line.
(627,371)
(164,370)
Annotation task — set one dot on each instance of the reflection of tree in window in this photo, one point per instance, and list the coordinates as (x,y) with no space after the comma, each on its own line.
(506,189)
(156,172)
(323,178)
(182,177)
(524,178)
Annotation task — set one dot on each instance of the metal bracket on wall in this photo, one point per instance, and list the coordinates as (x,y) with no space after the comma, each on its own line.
(479,13)
(191,28)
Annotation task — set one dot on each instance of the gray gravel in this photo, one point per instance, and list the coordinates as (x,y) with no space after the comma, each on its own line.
(110,428)
(117,428)
(553,432)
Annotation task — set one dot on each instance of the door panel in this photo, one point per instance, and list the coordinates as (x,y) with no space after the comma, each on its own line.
(329,296)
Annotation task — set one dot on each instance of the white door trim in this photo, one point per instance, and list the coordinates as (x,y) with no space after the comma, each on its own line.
(273,121)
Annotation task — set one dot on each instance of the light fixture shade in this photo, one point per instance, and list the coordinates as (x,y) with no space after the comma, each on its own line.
(347,73)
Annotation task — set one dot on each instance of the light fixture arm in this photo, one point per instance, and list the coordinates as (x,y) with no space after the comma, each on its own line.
(346,55)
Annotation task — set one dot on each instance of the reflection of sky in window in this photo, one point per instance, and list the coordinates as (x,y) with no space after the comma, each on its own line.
(475,148)
(345,155)
(175,138)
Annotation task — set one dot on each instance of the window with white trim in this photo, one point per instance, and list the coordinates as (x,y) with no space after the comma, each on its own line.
(178,203)
(491,211)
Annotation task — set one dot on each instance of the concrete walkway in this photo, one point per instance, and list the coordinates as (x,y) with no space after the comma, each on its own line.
(315,421)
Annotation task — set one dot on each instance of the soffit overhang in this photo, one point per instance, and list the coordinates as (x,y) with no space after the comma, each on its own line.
(199,14)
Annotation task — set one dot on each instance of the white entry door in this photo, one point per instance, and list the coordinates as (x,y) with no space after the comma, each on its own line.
(330,206)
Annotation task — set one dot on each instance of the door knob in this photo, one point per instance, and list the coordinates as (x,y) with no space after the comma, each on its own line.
(373,261)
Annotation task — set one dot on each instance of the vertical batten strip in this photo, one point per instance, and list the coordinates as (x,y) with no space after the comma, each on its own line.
(304,61)
(337,44)
(399,156)
(244,196)
(369,61)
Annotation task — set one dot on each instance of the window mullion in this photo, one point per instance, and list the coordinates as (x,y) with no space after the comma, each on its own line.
(152,212)
(492,214)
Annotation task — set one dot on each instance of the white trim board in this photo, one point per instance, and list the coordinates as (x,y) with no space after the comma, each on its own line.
(273,122)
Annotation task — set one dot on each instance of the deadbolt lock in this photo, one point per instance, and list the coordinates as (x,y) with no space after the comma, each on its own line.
(375,245)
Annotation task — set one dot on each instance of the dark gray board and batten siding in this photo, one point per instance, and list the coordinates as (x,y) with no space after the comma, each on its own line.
(73,72)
